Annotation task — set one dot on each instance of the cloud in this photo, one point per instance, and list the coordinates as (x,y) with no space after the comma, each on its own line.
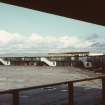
(68,41)
(15,42)
(36,38)
(93,37)
(7,38)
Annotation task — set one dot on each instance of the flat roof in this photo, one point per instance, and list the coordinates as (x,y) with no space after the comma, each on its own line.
(41,54)
(70,53)
(20,77)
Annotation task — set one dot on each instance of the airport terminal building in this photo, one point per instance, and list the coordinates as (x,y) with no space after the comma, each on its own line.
(77,59)
(50,59)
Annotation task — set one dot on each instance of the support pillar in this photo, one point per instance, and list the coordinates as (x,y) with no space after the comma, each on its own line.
(103,91)
(71,93)
(15,97)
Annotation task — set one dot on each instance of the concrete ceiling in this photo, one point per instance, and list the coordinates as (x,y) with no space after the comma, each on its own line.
(87,10)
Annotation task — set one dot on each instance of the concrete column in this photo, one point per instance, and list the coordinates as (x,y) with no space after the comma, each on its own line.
(71,93)
(103,91)
(15,97)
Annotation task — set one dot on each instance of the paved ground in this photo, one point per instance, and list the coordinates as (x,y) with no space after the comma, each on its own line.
(86,93)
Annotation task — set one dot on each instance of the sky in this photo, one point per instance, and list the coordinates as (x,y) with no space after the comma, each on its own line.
(29,31)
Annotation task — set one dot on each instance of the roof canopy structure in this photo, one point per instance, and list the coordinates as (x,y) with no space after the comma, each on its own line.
(90,10)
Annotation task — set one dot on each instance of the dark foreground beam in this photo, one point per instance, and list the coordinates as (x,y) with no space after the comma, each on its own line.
(86,10)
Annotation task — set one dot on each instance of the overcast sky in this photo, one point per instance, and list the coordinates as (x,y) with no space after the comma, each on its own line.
(29,31)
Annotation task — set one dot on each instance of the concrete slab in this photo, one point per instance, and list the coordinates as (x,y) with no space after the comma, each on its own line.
(16,77)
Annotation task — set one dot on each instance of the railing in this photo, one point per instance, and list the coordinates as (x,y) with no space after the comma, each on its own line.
(16,99)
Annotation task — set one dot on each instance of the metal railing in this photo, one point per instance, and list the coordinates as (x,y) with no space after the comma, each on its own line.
(16,98)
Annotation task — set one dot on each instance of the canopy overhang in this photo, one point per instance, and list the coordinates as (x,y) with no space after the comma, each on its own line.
(90,10)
